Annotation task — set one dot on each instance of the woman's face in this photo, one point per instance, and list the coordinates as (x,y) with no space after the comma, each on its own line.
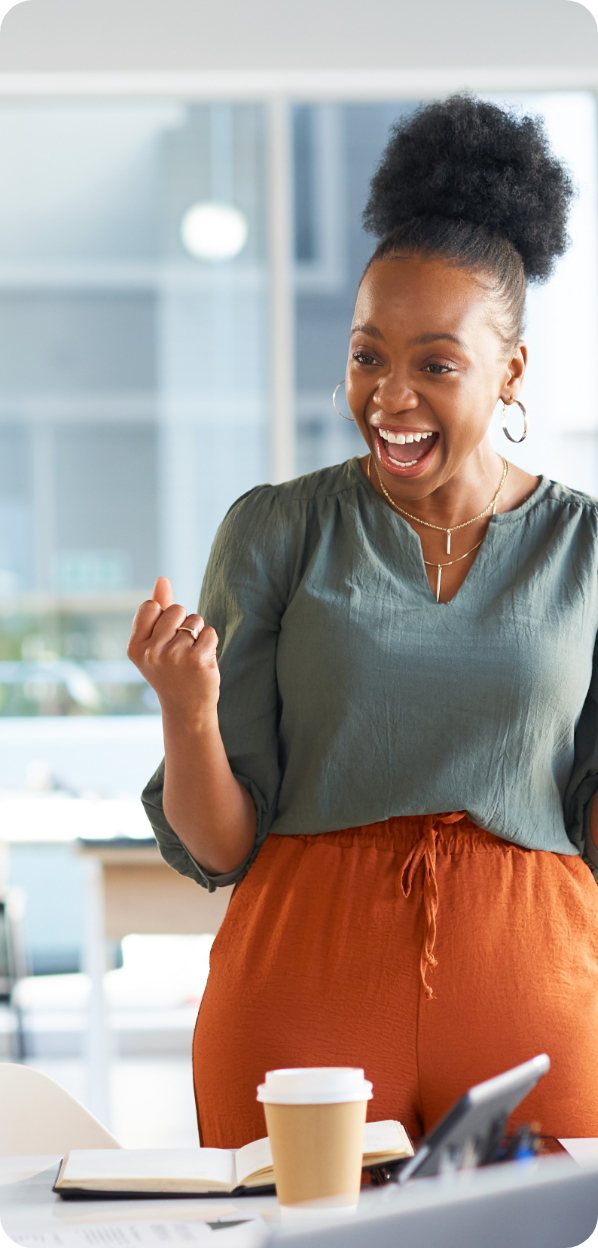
(427,368)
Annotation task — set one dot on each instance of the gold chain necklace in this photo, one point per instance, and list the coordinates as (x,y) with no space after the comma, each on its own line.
(430,563)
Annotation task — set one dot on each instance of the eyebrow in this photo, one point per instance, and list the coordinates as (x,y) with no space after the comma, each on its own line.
(364,327)
(423,339)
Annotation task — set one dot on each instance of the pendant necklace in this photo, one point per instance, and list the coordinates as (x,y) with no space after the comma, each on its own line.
(431,563)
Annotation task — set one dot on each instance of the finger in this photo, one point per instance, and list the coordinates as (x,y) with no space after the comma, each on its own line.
(162,592)
(203,646)
(144,623)
(193,621)
(150,611)
(184,630)
(204,649)
(165,629)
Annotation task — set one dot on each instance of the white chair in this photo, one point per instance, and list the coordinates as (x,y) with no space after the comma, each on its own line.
(38,1117)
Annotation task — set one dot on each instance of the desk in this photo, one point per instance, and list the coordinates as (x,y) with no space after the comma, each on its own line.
(129,888)
(549,1203)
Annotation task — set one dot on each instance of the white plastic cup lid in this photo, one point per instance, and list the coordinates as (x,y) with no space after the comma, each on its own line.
(315,1085)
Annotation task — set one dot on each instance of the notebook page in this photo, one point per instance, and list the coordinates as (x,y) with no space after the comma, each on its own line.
(249,1232)
(252,1158)
(117,1235)
(384,1138)
(113,1168)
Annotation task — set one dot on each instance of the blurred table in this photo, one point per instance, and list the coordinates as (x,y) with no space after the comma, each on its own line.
(28,1207)
(130,889)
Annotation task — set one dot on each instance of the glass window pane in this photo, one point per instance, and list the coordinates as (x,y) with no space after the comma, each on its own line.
(345,147)
(134,404)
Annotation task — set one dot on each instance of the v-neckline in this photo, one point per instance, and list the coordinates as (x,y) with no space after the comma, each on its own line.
(466,578)
(494,522)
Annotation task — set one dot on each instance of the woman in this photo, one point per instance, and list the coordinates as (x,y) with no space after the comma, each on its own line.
(396,755)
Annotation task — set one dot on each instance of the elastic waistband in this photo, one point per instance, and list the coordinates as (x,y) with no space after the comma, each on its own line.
(454,833)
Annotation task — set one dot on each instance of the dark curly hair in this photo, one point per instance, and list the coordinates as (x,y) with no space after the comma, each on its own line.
(477,184)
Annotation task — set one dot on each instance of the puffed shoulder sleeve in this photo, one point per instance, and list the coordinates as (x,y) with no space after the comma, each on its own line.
(583,783)
(244,595)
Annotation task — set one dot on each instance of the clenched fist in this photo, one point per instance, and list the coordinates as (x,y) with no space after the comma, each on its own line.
(183,671)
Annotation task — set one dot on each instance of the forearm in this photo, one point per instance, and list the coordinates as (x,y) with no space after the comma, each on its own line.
(210,811)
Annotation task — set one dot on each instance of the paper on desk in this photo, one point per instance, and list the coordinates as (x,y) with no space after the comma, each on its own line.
(224,1233)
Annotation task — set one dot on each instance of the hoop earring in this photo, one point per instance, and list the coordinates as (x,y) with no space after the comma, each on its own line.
(503,421)
(334,393)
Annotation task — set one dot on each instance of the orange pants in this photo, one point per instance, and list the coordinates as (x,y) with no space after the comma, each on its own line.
(423,949)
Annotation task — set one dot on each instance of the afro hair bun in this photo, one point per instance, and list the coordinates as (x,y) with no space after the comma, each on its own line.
(465,159)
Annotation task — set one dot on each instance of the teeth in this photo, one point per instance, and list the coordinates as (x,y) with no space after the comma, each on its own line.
(402,438)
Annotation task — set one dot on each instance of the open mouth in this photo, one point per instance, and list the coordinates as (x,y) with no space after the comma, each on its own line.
(405,452)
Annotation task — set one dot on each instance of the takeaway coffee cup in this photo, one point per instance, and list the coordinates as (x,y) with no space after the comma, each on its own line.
(315,1117)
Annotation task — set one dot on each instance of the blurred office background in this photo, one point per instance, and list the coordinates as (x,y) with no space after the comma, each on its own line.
(180,248)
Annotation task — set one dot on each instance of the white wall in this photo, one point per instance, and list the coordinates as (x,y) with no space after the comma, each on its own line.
(198,34)
(98,753)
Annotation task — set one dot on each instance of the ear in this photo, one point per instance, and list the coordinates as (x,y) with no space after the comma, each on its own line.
(515,373)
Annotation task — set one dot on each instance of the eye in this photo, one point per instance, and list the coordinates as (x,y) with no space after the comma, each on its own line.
(362,357)
(437,369)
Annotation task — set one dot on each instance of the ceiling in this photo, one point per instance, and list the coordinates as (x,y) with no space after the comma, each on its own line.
(169,35)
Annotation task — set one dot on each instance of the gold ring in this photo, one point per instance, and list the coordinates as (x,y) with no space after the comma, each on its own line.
(184,629)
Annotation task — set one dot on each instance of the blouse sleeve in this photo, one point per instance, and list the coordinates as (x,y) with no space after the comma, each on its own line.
(243,597)
(583,782)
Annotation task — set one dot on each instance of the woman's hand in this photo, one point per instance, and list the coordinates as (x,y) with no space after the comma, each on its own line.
(211,812)
(183,672)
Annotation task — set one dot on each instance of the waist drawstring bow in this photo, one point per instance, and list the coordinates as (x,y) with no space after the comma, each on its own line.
(425,850)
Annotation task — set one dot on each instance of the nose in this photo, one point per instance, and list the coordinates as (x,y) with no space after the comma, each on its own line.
(394,396)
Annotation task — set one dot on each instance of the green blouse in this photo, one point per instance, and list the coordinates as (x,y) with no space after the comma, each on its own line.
(350,695)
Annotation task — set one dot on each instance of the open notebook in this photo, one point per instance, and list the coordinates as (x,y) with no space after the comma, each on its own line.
(198,1171)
